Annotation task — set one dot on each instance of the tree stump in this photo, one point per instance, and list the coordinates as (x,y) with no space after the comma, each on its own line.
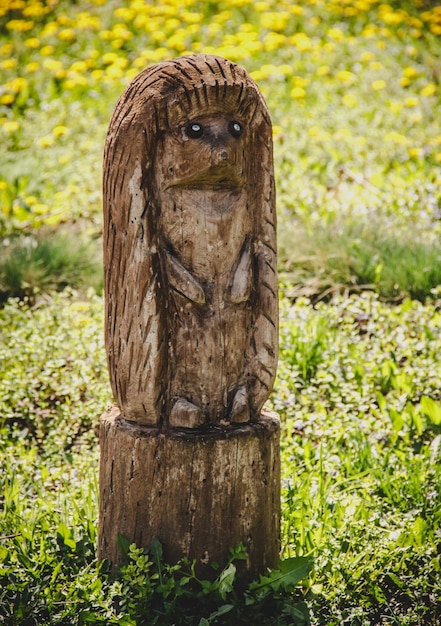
(200,493)
(191,319)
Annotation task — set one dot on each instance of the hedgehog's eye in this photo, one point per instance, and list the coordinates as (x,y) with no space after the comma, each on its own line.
(235,128)
(195,130)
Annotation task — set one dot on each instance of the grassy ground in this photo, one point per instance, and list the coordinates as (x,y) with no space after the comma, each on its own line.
(354,91)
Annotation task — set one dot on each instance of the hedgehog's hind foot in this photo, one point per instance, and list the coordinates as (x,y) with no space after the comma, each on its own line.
(185,414)
(240,411)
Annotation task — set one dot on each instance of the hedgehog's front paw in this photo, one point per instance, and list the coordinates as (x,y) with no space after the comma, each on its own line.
(240,412)
(185,414)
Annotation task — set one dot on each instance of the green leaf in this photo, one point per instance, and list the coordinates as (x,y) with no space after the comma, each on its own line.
(123,544)
(432,410)
(226,580)
(222,610)
(66,535)
(291,571)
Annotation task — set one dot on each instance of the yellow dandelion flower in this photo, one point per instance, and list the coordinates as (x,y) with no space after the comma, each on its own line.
(323,70)
(391,17)
(275,21)
(46,141)
(191,17)
(50,29)
(345,76)
(78,66)
(349,100)
(8,64)
(411,101)
(297,93)
(300,81)
(53,65)
(120,31)
(69,84)
(32,67)
(20,26)
(40,209)
(336,33)
(67,34)
(139,63)
(105,35)
(396,107)
(64,20)
(285,69)
(415,153)
(35,9)
(59,131)
(410,72)
(97,74)
(124,13)
(6,49)
(178,40)
(258,75)
(33,43)
(11,126)
(109,58)
(7,99)
(378,85)
(31,200)
(428,90)
(80,306)
(301,41)
(47,51)
(314,131)
(370,31)
(296,9)
(131,73)
(273,41)
(113,71)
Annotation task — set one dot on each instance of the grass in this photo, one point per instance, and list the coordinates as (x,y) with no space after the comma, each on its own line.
(358,393)
(48,261)
(354,93)
(356,256)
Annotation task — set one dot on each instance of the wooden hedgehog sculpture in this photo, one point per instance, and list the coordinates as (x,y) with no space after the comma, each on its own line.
(190,246)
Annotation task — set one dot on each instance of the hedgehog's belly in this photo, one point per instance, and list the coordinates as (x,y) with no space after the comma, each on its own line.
(207,354)
(203,244)
(205,229)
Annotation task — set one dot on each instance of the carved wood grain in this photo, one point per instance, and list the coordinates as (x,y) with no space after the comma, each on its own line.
(190,247)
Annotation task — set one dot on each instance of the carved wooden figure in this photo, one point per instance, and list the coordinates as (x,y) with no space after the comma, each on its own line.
(187,455)
(190,246)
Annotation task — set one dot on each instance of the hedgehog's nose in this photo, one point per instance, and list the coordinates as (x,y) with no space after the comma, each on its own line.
(219,156)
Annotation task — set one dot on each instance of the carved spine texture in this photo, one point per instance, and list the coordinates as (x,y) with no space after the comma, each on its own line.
(190,246)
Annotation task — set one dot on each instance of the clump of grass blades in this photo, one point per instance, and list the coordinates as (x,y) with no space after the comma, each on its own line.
(49,261)
(346,256)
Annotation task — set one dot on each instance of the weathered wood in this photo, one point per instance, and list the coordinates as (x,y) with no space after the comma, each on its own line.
(191,321)
(199,493)
(190,246)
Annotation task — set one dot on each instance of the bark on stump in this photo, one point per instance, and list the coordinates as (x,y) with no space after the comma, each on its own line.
(199,493)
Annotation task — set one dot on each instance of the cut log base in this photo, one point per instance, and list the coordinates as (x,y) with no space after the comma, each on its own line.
(199,492)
